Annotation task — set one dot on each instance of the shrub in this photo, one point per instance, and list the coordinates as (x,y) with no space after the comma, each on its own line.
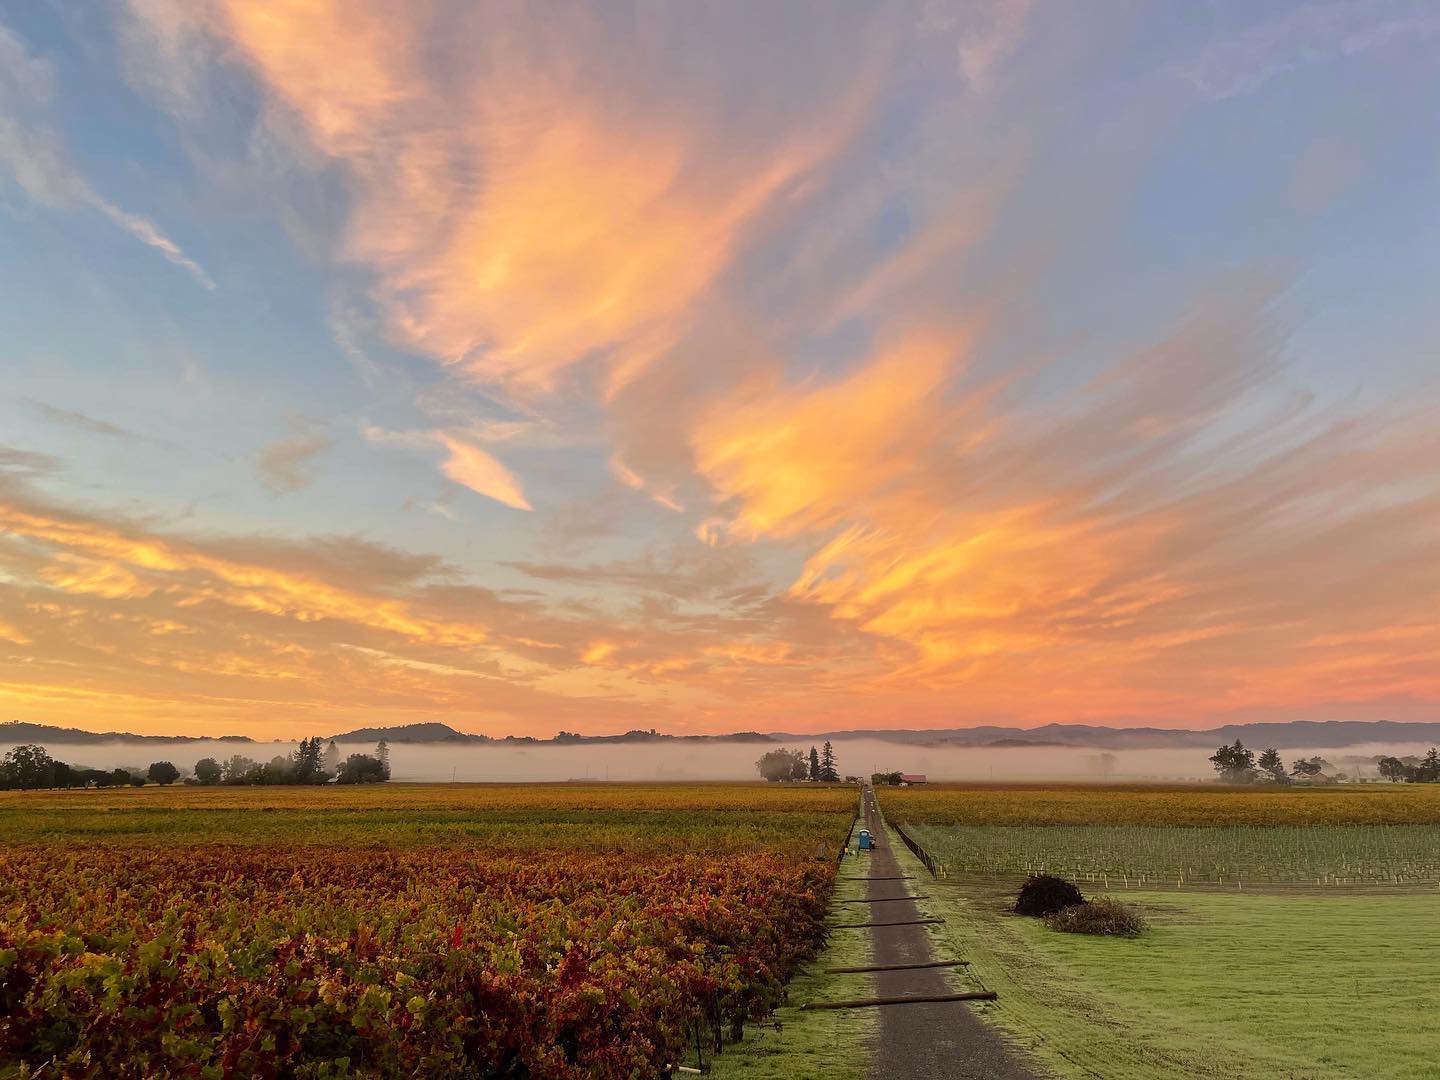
(1044,894)
(1104,915)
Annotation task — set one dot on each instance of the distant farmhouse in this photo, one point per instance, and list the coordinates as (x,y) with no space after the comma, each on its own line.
(909,778)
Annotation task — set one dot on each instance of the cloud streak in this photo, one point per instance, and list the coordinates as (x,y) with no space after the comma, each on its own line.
(80,421)
(36,159)
(529,204)
(471,467)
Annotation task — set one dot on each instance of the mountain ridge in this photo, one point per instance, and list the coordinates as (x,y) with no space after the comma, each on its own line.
(1285,735)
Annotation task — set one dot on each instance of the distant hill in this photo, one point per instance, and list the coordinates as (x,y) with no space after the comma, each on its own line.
(409,733)
(433,732)
(1292,735)
(17,731)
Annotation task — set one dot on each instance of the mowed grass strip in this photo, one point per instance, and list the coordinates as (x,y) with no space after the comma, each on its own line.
(1243,986)
(798,1044)
(1155,804)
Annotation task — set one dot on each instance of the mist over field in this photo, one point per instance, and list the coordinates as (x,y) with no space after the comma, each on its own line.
(463,762)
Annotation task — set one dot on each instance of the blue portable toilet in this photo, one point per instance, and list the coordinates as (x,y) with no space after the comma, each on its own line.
(865,842)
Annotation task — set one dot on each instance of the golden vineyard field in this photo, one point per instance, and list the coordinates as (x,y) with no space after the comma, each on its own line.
(566,948)
(635,817)
(1180,804)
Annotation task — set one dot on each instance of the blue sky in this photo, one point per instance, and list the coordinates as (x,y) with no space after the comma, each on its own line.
(826,365)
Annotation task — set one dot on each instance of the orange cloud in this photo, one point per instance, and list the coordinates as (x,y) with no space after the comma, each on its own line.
(531,203)
(1077,560)
(188,635)
(12,633)
(118,565)
(482,473)
(793,457)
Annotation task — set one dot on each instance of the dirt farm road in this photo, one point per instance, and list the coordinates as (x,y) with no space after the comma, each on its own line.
(935,1040)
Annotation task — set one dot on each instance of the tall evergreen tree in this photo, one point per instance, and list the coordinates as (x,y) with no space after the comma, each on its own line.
(332,758)
(382,755)
(1270,762)
(1428,771)
(827,763)
(307,761)
(814,764)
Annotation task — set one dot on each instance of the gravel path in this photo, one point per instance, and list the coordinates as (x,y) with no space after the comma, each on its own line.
(934,1041)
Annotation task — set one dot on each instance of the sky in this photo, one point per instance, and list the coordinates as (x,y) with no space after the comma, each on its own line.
(741,366)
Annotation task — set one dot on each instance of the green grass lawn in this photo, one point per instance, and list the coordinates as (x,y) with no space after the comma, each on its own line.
(831,1044)
(1248,985)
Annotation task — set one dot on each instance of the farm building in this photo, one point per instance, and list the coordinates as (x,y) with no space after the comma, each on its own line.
(913,778)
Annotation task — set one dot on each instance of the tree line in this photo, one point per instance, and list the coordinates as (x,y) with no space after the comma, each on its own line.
(785,764)
(30,767)
(1238,765)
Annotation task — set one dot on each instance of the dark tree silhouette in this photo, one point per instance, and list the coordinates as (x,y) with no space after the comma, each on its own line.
(207,771)
(1428,771)
(361,769)
(1270,763)
(1234,763)
(1393,769)
(308,762)
(28,766)
(238,769)
(780,764)
(162,772)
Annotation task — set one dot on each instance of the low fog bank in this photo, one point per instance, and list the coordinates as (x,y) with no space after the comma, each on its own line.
(730,761)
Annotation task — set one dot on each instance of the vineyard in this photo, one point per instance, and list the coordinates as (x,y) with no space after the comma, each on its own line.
(712,818)
(1174,805)
(241,945)
(1145,857)
(1132,837)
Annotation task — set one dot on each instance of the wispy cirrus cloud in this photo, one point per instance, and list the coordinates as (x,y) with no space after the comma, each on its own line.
(81,421)
(511,226)
(32,152)
(18,462)
(1304,35)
